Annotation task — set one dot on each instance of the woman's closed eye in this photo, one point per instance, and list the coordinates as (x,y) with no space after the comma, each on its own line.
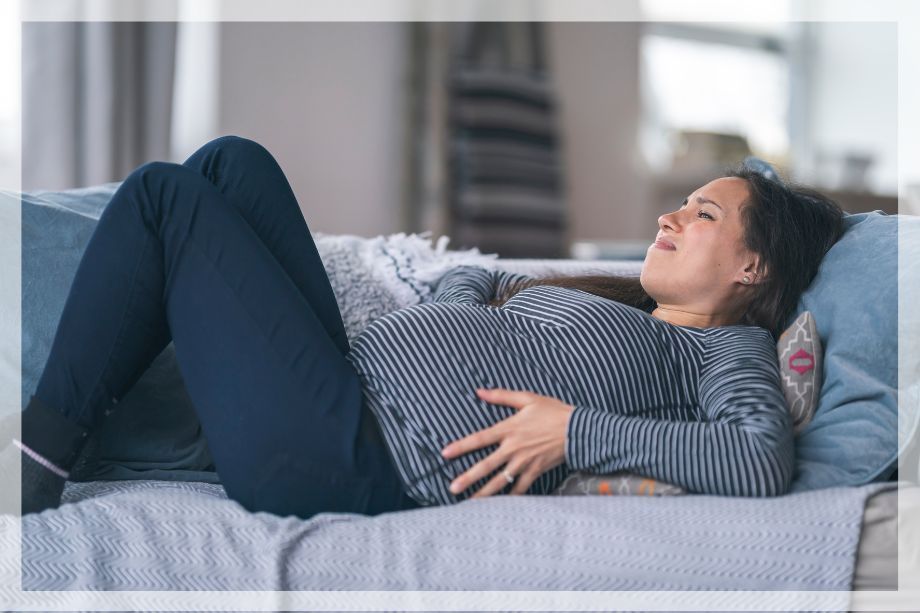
(699,213)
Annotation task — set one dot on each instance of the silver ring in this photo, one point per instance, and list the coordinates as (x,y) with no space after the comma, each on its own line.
(508,477)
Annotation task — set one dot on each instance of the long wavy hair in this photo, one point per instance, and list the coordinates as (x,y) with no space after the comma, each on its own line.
(789,226)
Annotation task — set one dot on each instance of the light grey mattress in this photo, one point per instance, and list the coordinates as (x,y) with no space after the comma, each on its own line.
(877,555)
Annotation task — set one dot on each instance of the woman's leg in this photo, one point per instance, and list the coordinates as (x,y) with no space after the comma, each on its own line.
(278,402)
(251,180)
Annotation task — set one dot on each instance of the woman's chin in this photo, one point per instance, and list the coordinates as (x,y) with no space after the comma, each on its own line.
(644,278)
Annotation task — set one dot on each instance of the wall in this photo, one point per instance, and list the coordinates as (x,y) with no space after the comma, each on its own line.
(596,70)
(327,99)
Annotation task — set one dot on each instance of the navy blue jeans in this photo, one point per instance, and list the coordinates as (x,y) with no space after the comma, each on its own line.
(215,255)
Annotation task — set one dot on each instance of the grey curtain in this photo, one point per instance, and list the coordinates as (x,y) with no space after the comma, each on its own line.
(485,109)
(97,100)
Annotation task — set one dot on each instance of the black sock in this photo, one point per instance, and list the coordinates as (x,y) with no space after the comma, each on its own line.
(51,445)
(41,487)
(50,434)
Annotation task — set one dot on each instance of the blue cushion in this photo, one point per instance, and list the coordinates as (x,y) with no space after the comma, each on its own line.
(155,433)
(853,437)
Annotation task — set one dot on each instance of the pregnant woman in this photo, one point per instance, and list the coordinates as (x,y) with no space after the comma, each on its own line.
(501,385)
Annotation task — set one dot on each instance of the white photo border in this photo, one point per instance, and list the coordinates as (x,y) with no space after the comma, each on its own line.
(906,13)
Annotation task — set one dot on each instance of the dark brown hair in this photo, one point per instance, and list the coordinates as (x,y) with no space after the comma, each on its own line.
(789,226)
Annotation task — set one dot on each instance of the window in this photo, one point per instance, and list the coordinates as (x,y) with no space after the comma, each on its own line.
(766,17)
(726,78)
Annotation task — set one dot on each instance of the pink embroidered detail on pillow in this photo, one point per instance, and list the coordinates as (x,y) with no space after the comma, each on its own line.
(801,362)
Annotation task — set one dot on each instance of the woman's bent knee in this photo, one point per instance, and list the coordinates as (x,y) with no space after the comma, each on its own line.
(139,188)
(162,190)
(153,174)
(238,147)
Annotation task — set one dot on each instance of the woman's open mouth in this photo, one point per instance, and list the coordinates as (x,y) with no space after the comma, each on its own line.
(664,245)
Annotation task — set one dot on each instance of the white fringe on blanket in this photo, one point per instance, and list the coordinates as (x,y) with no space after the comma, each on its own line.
(374,276)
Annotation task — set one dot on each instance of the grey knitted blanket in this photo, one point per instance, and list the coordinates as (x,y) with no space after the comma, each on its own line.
(158,535)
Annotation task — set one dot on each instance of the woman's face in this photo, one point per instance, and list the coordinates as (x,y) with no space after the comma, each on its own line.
(703,270)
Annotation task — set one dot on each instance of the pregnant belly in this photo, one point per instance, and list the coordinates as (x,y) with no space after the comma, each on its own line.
(420,373)
(418,419)
(416,428)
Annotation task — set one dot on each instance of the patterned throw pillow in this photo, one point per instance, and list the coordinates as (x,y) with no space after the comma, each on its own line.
(614,484)
(800,357)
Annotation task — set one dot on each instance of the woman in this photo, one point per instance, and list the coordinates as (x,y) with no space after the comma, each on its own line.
(672,376)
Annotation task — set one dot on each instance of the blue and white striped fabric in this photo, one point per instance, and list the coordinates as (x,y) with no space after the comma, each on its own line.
(701,408)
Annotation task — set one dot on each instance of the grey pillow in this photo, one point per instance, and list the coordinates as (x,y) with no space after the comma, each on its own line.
(858,427)
(154,433)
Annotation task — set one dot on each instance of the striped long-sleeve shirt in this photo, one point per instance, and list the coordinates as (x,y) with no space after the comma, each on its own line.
(697,407)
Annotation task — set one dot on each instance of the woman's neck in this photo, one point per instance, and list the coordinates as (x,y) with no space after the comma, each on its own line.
(683,316)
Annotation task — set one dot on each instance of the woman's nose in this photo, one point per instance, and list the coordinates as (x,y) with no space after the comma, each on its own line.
(668,220)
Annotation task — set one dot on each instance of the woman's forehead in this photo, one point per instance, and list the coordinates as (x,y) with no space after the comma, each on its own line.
(728,192)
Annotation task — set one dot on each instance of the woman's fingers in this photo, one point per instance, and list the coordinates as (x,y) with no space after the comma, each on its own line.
(479,470)
(494,486)
(524,481)
(511,398)
(538,442)
(474,441)
(496,483)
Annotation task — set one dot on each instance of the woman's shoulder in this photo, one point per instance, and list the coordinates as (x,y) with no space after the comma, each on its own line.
(740,333)
(739,344)
(720,343)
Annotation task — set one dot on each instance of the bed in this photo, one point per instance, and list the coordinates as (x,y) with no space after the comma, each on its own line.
(145,509)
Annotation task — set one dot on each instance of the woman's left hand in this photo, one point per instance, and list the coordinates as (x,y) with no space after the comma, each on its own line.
(531,442)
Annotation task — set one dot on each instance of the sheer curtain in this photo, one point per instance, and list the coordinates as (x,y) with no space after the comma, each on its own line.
(97,100)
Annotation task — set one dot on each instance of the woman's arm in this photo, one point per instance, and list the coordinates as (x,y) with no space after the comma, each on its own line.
(474,284)
(745,448)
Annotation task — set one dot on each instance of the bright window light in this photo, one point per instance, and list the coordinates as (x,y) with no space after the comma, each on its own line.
(698,86)
(756,16)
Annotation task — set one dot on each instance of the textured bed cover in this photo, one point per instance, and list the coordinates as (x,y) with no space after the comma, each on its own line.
(155,535)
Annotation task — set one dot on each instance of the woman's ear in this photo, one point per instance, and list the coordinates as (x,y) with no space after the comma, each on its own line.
(753,272)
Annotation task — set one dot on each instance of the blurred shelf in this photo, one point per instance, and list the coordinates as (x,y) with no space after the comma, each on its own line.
(863,202)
